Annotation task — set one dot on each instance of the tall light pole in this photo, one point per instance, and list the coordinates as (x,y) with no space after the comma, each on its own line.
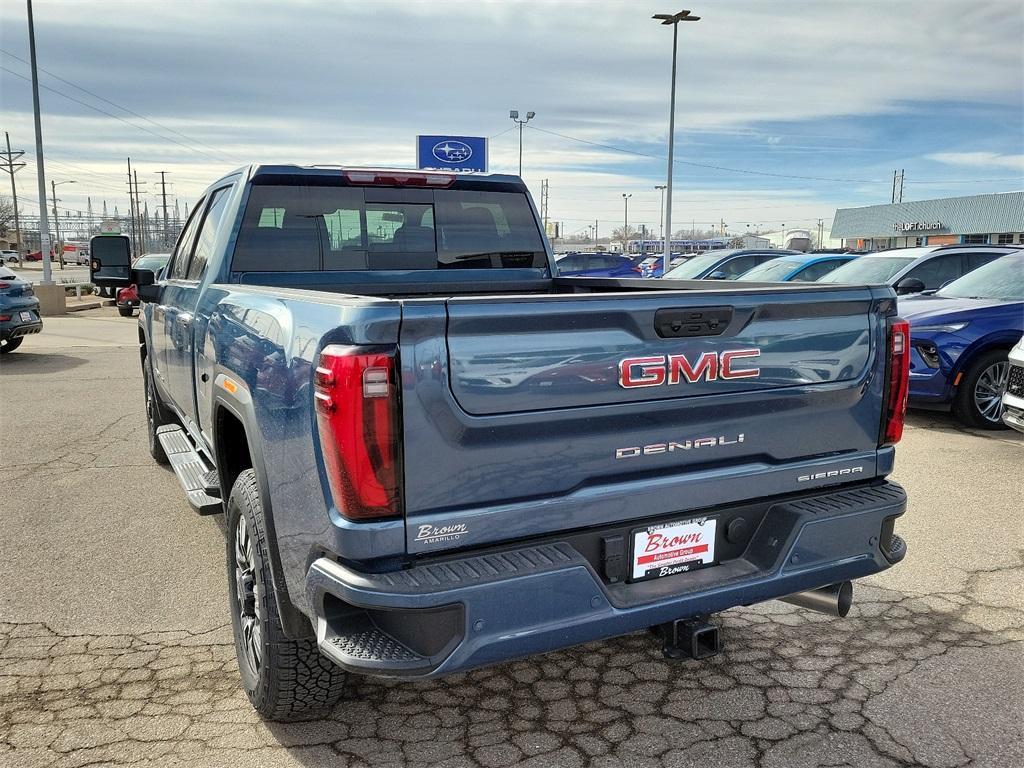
(44,225)
(661,223)
(514,114)
(672,19)
(625,223)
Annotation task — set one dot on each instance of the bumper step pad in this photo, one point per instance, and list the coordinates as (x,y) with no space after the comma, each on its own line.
(189,468)
(362,645)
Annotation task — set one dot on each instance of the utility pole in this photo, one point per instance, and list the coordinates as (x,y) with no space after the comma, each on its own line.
(673,20)
(821,233)
(142,231)
(595,235)
(544,203)
(44,225)
(163,193)
(131,206)
(12,168)
(902,176)
(56,224)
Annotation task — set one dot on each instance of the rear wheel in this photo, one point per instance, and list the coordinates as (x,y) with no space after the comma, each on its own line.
(978,401)
(10,346)
(155,416)
(285,679)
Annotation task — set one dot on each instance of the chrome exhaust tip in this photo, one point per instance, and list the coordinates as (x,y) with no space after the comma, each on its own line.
(835,600)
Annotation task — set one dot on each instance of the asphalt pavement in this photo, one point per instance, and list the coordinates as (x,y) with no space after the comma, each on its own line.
(115,644)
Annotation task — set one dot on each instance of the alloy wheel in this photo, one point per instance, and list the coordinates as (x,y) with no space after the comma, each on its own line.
(988,391)
(247,597)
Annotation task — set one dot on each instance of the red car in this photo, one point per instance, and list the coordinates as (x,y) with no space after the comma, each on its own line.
(128,298)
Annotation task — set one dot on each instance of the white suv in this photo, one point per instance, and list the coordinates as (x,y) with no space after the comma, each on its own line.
(1013,397)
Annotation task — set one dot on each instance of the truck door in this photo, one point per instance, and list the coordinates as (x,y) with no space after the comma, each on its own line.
(178,306)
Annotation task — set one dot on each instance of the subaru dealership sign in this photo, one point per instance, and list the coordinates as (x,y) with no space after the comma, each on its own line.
(451,153)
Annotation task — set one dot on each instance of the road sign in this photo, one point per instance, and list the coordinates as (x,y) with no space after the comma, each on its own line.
(452,153)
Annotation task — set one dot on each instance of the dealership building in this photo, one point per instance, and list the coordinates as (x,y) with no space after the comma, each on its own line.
(997,219)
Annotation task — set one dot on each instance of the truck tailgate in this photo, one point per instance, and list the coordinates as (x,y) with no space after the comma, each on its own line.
(534,414)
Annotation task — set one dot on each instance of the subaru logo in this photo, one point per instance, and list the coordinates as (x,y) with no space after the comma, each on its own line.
(450,151)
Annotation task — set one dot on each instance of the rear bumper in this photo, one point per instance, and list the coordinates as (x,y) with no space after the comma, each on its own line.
(16,328)
(457,614)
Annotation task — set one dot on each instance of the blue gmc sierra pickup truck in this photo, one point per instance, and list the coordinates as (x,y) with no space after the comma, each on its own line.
(435,454)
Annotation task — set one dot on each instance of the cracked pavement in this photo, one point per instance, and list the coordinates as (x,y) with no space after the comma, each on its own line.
(115,647)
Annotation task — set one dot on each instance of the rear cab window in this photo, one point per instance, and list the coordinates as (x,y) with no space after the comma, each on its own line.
(288,228)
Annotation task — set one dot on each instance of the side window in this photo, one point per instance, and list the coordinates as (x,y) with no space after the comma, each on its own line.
(208,233)
(934,272)
(179,259)
(814,271)
(975,260)
(739,265)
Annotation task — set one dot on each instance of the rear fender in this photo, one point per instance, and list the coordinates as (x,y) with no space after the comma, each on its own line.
(239,404)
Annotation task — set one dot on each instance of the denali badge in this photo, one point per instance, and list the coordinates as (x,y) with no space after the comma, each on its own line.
(675,369)
(432,533)
(671,446)
(830,474)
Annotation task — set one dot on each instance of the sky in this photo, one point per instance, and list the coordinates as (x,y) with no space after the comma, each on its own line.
(785,112)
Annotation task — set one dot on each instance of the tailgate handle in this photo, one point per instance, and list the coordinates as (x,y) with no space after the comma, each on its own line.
(692,321)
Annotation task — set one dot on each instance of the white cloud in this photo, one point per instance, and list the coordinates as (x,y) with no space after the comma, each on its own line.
(979,159)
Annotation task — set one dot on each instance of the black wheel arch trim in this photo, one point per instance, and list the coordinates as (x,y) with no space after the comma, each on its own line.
(295,623)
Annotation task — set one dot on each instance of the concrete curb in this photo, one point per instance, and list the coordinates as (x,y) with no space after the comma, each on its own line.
(80,306)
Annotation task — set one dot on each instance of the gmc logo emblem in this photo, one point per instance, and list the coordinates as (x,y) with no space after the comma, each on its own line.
(675,369)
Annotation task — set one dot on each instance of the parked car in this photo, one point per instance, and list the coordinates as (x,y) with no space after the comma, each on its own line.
(379,428)
(19,311)
(1013,397)
(805,268)
(725,264)
(128,298)
(913,270)
(654,266)
(9,257)
(598,265)
(960,337)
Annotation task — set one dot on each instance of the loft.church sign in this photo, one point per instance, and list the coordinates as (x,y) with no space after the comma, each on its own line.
(916,226)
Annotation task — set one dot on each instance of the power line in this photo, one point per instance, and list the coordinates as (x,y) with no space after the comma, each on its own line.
(116,117)
(118,106)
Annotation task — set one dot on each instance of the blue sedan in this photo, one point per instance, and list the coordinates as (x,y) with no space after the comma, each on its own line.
(598,265)
(960,337)
(19,311)
(803,268)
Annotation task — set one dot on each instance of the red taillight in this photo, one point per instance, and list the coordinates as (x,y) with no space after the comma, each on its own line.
(399,178)
(899,381)
(5,318)
(5,285)
(356,398)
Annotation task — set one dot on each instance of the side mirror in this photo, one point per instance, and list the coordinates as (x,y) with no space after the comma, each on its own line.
(110,261)
(717,275)
(909,285)
(145,284)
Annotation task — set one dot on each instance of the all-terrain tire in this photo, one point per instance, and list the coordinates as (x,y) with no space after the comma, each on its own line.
(973,395)
(285,679)
(156,416)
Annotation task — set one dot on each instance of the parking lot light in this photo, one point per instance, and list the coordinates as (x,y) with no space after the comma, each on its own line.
(672,19)
(514,115)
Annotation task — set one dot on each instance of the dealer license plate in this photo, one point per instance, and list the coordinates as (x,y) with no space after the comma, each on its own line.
(26,316)
(671,548)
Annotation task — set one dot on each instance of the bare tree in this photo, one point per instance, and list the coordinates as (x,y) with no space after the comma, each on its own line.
(623,234)
(6,215)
